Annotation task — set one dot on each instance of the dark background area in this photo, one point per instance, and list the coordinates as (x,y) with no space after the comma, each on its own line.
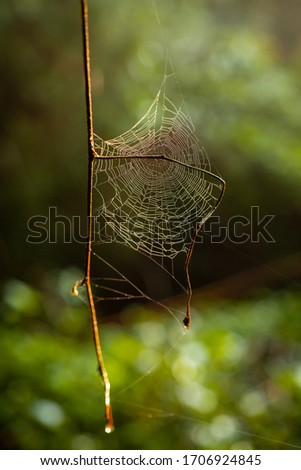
(235,380)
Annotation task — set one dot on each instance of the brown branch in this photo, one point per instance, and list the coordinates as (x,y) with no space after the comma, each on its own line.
(109,427)
(187,318)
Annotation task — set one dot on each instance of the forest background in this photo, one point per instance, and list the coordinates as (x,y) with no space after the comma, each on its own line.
(234,381)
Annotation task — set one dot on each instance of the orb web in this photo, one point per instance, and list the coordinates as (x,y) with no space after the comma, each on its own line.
(154,185)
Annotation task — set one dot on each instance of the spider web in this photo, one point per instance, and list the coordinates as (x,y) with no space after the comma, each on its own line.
(154,183)
(153,189)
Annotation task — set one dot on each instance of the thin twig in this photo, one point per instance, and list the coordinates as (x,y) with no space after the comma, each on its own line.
(187,318)
(109,427)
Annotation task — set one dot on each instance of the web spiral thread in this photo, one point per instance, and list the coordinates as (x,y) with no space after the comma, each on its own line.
(154,183)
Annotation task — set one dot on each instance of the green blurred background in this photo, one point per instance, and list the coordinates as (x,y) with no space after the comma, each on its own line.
(234,381)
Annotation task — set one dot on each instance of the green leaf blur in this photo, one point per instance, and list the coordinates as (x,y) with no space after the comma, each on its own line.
(234,380)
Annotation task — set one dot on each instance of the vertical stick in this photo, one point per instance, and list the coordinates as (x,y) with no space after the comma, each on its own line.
(109,427)
(187,318)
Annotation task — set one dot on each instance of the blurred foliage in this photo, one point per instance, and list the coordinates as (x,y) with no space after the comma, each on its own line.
(234,381)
